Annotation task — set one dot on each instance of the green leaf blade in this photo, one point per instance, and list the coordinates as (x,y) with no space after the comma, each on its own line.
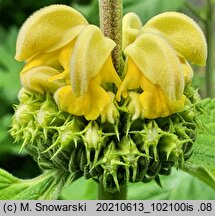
(202,162)
(45,187)
(201,172)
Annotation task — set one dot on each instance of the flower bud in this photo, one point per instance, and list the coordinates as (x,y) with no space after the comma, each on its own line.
(24,95)
(134,106)
(169,146)
(67,135)
(110,113)
(24,114)
(94,142)
(49,114)
(131,157)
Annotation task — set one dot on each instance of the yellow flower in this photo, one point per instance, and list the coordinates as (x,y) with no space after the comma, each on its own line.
(131,26)
(71,59)
(157,60)
(47,30)
(68,57)
(42,42)
(90,66)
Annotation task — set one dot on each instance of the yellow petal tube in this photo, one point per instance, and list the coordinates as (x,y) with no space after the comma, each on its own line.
(36,79)
(90,53)
(182,33)
(91,104)
(159,63)
(156,103)
(64,60)
(95,100)
(47,30)
(131,25)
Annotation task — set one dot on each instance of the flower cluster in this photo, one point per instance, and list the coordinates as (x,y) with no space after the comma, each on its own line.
(78,113)
(72,59)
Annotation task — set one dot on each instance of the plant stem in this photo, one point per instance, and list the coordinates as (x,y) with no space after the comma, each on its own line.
(110,12)
(111,24)
(105,195)
(209,38)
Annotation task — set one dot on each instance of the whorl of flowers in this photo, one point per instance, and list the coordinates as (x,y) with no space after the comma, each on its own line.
(77,113)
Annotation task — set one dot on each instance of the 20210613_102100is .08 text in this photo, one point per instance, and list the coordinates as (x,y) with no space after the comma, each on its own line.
(111,207)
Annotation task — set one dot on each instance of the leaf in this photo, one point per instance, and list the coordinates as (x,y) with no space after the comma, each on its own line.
(45,187)
(89,11)
(178,186)
(6,141)
(202,162)
(9,68)
(5,121)
(80,190)
(2,32)
(200,172)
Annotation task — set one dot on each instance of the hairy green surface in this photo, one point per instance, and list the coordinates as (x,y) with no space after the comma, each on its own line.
(202,162)
(46,186)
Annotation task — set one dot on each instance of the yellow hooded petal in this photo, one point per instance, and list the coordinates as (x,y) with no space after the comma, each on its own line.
(131,25)
(91,104)
(158,62)
(36,79)
(182,33)
(90,53)
(152,102)
(47,30)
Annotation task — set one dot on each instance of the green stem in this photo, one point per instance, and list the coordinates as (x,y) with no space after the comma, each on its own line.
(105,195)
(111,24)
(209,38)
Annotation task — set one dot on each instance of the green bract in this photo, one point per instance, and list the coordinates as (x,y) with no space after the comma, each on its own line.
(111,153)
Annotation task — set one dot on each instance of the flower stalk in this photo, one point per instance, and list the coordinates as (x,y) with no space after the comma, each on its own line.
(118,195)
(110,12)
